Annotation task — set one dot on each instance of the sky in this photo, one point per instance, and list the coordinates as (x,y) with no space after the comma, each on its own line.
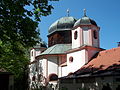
(106,13)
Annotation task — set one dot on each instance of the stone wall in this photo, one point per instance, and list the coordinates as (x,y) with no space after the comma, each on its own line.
(91,83)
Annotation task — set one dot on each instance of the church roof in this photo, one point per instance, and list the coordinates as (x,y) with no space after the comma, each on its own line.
(105,60)
(85,21)
(64,23)
(57,49)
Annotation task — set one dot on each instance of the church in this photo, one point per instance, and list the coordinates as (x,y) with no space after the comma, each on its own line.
(73,59)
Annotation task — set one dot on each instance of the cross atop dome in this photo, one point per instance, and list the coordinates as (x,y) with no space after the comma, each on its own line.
(68,12)
(84,12)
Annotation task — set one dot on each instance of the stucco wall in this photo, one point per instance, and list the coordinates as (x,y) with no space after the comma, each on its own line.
(78,41)
(35,52)
(96,42)
(86,37)
(78,61)
(32,55)
(91,53)
(53,65)
(43,67)
(38,52)
(63,71)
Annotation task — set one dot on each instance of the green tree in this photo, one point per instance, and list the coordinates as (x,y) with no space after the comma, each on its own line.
(18,32)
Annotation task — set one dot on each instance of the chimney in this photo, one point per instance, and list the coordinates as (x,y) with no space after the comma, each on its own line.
(118,44)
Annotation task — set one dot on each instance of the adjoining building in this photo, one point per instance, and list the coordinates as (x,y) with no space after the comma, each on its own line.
(75,57)
(6,80)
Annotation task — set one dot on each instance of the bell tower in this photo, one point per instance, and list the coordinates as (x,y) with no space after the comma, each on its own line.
(85,33)
(37,50)
(85,43)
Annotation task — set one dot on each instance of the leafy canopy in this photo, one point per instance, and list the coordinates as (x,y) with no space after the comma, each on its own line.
(16,24)
(18,32)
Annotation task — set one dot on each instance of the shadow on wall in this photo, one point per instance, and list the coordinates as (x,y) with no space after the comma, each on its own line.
(53,77)
(106,87)
(88,78)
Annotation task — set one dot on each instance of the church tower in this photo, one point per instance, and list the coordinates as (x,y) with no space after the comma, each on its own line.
(85,33)
(85,43)
(37,50)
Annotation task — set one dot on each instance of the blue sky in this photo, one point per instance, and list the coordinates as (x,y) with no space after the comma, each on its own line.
(106,13)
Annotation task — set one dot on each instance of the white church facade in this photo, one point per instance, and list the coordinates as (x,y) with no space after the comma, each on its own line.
(71,45)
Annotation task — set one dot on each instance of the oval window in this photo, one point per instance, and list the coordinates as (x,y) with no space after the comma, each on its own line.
(75,35)
(71,59)
(95,34)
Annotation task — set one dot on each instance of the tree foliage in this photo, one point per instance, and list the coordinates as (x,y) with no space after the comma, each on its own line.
(18,32)
(16,23)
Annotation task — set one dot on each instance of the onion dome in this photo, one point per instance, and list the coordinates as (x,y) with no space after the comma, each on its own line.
(62,24)
(85,21)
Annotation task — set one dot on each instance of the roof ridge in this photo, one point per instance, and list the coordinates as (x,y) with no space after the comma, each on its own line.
(109,50)
(52,49)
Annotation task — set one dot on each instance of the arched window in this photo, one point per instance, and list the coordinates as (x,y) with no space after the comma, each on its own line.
(95,34)
(75,35)
(52,41)
(33,78)
(71,59)
(53,77)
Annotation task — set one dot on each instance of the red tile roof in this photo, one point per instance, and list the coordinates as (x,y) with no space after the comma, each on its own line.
(107,59)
